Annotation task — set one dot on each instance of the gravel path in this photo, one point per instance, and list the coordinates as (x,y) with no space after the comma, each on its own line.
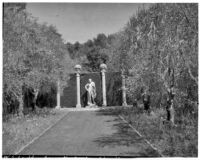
(90,133)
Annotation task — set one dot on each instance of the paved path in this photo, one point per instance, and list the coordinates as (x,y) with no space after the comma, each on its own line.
(90,133)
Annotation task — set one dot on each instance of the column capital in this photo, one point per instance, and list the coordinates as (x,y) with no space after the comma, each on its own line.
(123,76)
(122,71)
(103,67)
(77,68)
(123,88)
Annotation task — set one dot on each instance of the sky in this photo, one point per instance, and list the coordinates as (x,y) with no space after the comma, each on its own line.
(83,21)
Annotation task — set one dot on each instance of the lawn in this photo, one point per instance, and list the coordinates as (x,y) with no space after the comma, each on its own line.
(172,141)
(17,132)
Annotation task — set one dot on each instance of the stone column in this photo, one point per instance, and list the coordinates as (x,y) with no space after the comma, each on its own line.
(103,70)
(78,70)
(58,95)
(123,90)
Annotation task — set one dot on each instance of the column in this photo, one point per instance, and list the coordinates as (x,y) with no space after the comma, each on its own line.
(103,70)
(78,69)
(58,95)
(123,90)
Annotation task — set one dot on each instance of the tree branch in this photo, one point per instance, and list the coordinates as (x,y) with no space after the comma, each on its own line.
(191,75)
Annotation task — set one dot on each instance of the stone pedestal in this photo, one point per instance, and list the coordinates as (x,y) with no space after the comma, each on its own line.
(78,69)
(92,106)
(103,70)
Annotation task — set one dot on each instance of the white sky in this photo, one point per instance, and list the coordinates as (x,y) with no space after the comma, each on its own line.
(83,21)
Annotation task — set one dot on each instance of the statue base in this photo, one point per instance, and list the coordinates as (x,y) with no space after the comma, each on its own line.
(91,106)
(124,104)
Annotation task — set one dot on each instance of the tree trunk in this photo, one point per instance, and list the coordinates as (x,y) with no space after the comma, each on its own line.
(172,113)
(36,91)
(170,105)
(21,105)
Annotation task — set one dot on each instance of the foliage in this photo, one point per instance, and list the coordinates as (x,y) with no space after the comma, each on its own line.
(162,44)
(33,54)
(164,50)
(157,48)
(171,141)
(17,132)
(91,53)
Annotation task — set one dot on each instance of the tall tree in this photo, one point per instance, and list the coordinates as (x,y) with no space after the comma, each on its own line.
(33,54)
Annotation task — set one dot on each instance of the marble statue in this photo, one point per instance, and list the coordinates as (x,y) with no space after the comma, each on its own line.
(91,93)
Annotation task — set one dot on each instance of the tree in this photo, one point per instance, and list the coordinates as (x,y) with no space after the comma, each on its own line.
(33,54)
(101,40)
(13,60)
(159,49)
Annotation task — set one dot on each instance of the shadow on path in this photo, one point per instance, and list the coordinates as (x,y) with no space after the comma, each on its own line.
(124,137)
(98,133)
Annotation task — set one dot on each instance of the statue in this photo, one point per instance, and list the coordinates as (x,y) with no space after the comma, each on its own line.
(91,93)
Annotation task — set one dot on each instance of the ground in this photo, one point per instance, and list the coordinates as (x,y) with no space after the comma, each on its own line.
(19,131)
(90,133)
(179,140)
(114,131)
